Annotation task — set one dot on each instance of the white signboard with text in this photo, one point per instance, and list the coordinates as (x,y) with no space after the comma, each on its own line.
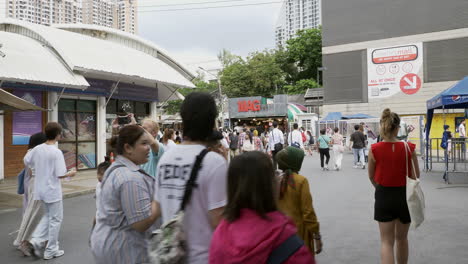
(392,70)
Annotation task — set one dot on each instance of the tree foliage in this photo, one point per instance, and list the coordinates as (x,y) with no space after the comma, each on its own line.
(258,75)
(301,86)
(291,69)
(305,52)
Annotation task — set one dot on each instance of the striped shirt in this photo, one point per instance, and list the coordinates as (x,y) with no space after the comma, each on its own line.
(126,197)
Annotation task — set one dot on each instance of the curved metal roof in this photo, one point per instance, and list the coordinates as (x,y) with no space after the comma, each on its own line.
(26,60)
(127,39)
(85,54)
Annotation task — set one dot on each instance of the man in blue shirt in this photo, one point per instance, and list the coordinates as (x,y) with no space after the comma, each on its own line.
(157,149)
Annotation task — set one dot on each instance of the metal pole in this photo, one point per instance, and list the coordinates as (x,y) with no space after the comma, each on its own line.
(221,100)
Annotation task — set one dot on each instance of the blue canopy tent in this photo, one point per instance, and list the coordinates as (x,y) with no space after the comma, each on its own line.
(455,97)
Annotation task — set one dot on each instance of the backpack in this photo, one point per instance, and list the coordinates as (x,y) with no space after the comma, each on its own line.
(311,140)
(168,244)
(304,138)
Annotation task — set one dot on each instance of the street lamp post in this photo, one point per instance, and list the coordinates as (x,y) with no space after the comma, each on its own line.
(219,91)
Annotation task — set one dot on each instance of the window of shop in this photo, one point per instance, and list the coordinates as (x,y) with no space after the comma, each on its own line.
(78,143)
(117,107)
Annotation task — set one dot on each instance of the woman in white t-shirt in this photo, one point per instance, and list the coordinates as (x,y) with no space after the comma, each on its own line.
(168,139)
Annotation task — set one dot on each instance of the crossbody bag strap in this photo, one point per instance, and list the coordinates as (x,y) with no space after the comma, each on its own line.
(191,183)
(285,250)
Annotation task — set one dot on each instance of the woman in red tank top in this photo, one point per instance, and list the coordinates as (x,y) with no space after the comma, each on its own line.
(388,167)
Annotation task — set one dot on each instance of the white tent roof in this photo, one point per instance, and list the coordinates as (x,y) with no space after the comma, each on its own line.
(87,54)
(26,59)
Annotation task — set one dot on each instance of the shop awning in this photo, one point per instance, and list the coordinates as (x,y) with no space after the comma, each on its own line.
(10,102)
(26,60)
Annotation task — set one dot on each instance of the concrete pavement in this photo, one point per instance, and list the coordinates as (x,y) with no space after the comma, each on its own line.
(83,183)
(344,205)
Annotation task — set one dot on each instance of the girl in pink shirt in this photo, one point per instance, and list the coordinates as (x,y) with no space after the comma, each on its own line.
(253,228)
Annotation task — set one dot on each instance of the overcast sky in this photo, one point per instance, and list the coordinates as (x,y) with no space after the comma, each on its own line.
(194,36)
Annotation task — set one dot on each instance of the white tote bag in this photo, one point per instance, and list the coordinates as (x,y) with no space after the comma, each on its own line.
(414,194)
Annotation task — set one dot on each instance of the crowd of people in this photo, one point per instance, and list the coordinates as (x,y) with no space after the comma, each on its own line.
(242,179)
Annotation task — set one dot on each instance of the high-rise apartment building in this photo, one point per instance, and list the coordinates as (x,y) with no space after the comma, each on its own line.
(119,14)
(296,15)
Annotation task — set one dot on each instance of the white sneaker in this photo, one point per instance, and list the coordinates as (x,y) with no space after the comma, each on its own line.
(56,254)
(326,168)
(364,166)
(355,166)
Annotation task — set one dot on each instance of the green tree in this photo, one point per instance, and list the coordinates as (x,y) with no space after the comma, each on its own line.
(258,75)
(173,107)
(301,86)
(303,55)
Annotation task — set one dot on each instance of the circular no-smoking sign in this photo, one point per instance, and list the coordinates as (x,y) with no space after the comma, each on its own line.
(410,83)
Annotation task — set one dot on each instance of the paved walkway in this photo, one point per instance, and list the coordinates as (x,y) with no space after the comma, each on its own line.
(83,183)
(343,201)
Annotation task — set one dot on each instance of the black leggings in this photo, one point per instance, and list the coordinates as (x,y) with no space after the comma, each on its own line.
(324,152)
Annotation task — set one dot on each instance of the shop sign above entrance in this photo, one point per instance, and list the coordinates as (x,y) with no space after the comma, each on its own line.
(256,106)
(248,105)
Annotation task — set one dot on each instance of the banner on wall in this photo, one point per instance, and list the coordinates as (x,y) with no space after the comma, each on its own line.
(393,70)
(27,123)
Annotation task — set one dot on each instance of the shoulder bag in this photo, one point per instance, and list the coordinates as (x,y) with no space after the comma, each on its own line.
(278,146)
(414,194)
(285,250)
(168,244)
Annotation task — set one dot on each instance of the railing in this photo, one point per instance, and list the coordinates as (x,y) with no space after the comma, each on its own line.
(454,158)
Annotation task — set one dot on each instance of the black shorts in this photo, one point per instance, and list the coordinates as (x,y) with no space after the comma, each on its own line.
(390,204)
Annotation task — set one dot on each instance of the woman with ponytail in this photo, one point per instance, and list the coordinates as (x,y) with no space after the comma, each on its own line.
(295,199)
(389,163)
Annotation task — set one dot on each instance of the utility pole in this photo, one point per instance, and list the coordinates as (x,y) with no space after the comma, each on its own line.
(219,92)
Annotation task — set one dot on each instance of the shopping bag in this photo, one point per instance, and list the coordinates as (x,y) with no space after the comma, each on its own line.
(414,194)
(416,202)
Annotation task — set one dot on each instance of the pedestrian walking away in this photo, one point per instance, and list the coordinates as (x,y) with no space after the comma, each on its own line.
(234,144)
(338,148)
(49,166)
(208,197)
(295,199)
(32,208)
(357,143)
(126,209)
(253,227)
(295,138)
(276,142)
(323,144)
(388,167)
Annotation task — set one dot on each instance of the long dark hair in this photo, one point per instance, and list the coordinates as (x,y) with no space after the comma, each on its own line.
(250,187)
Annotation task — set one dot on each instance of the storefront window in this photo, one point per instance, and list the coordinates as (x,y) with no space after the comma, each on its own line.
(78,120)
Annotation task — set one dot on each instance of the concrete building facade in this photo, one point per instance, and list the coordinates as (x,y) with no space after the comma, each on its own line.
(296,15)
(376,55)
(118,14)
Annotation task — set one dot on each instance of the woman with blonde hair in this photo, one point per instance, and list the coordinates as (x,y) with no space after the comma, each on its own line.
(295,199)
(389,163)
